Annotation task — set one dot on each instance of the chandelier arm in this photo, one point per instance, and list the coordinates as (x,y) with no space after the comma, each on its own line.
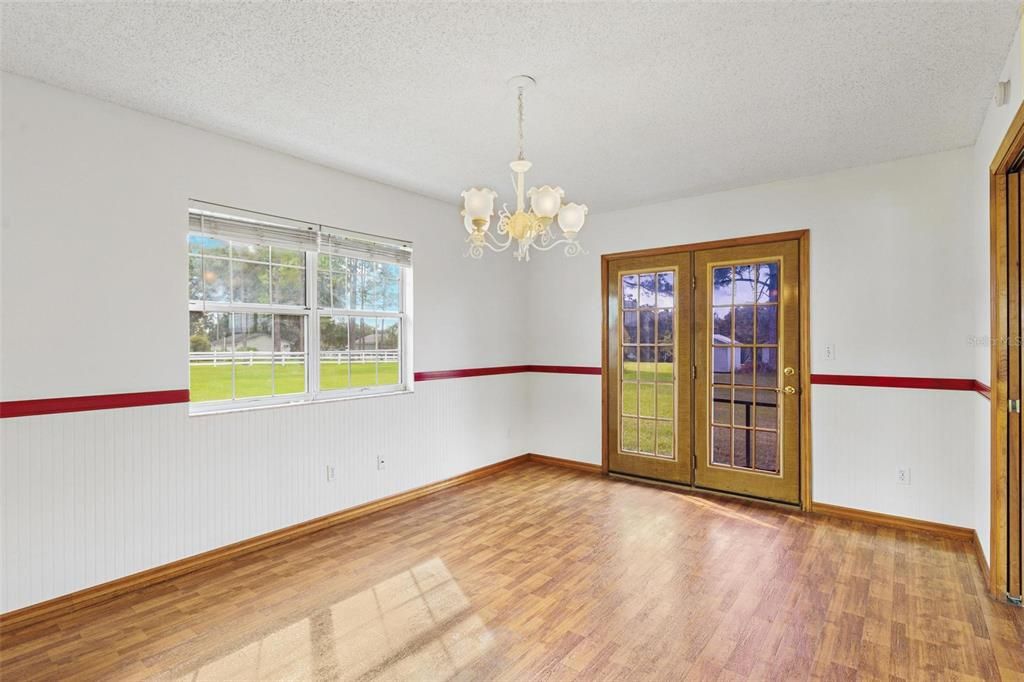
(494,244)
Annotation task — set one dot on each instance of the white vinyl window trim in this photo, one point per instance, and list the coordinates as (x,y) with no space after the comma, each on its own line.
(237,225)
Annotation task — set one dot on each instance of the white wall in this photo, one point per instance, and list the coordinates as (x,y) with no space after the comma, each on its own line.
(887,262)
(94,301)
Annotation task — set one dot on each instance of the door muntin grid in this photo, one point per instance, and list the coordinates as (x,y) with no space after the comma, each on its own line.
(647,378)
(745,422)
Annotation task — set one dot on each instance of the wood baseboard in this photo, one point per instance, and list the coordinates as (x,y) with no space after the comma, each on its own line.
(567,463)
(74,601)
(979,556)
(890,521)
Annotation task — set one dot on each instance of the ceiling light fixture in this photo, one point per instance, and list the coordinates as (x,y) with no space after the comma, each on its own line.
(529,229)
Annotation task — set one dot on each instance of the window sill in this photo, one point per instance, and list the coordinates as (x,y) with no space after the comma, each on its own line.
(228,409)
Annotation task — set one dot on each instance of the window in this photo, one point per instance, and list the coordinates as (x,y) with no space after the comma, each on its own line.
(265,292)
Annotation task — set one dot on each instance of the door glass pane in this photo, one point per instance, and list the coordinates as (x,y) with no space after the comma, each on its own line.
(627,435)
(647,318)
(742,448)
(629,398)
(629,291)
(647,433)
(767,451)
(646,400)
(646,290)
(629,327)
(666,290)
(647,376)
(744,354)
(721,445)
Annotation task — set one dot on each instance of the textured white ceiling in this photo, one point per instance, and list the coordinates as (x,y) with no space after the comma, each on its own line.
(636,102)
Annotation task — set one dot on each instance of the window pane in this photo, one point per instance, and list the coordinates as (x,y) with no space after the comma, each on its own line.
(629,363)
(208,246)
(666,401)
(744,327)
(665,327)
(195,278)
(388,367)
(250,252)
(768,283)
(289,354)
(767,324)
(216,287)
(629,398)
(666,289)
(323,288)
(647,436)
(745,284)
(334,353)
(629,291)
(666,439)
(721,445)
(742,448)
(209,356)
(628,434)
(283,256)
(289,285)
(722,286)
(392,295)
(629,326)
(646,291)
(646,400)
(254,344)
(250,282)
(647,326)
(340,291)
(363,341)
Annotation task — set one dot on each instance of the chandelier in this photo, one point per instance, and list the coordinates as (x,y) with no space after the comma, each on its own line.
(528,229)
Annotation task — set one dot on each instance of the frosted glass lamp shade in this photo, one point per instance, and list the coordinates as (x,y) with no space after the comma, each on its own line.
(545,201)
(571,217)
(479,203)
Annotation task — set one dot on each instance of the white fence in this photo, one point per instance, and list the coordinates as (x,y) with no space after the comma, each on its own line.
(339,357)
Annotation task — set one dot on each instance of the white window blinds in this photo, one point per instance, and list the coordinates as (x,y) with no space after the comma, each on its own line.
(251,231)
(358,245)
(255,228)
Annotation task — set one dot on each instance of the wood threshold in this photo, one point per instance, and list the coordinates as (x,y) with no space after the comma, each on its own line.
(891,521)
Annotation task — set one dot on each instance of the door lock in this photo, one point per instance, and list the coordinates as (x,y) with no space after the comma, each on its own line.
(789,390)
(789,371)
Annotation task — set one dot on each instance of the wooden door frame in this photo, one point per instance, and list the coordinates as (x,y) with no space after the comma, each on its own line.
(1006,158)
(803,237)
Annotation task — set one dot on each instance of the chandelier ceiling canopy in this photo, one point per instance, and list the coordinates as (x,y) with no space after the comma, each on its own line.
(527,228)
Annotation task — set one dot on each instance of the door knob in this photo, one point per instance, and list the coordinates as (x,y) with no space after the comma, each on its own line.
(789,390)
(789,371)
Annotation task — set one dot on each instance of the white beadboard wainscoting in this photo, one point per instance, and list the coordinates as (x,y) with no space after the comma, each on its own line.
(93,496)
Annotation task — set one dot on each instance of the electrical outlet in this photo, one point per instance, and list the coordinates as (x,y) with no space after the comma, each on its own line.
(380,463)
(903,476)
(830,351)
(330,472)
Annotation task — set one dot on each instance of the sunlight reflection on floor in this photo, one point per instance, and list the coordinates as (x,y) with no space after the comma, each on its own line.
(414,624)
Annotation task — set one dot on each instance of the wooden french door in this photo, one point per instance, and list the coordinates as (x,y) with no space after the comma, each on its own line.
(703,367)
(649,309)
(747,341)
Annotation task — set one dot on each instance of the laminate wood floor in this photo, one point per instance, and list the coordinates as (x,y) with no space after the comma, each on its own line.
(541,572)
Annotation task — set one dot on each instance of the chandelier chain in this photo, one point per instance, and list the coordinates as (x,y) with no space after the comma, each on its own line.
(520,108)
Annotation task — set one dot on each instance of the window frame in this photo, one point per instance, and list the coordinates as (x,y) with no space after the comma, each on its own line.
(311,314)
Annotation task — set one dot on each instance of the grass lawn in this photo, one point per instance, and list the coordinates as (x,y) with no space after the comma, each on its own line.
(209,382)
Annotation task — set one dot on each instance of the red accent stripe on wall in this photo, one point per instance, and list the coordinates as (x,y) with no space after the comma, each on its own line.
(85,403)
(508,369)
(894,382)
(472,372)
(27,408)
